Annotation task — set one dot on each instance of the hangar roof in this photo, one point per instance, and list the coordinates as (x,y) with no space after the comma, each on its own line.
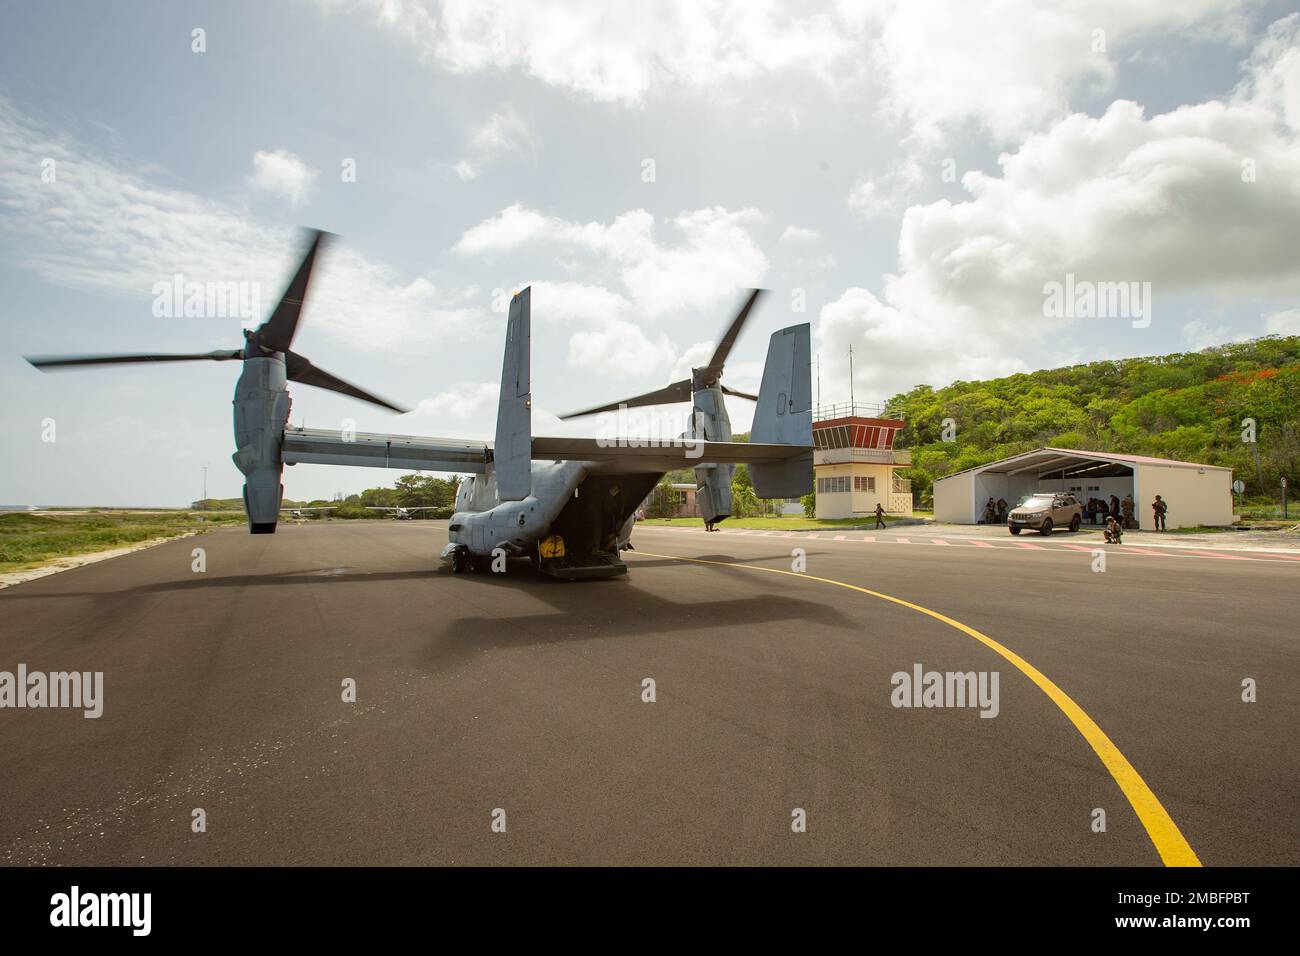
(1097,464)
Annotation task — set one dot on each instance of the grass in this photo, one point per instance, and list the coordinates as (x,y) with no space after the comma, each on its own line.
(31,540)
(774,524)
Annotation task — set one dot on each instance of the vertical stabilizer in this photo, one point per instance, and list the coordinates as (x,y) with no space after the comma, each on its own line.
(513,448)
(783,415)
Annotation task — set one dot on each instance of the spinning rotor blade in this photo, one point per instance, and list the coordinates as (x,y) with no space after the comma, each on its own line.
(733,332)
(68,361)
(708,375)
(676,392)
(276,333)
(738,393)
(300,369)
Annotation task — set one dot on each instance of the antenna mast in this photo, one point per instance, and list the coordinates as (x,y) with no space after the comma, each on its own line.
(851,401)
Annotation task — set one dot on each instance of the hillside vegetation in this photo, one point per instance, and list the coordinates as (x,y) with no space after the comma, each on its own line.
(1189,406)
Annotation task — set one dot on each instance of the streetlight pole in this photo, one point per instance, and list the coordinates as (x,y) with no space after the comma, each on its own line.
(205,487)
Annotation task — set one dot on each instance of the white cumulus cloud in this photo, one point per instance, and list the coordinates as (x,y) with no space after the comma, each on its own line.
(282,174)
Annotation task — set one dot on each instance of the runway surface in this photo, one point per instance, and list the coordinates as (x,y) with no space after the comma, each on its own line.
(223,691)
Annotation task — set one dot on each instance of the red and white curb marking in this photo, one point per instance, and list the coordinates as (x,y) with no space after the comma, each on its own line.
(1014,546)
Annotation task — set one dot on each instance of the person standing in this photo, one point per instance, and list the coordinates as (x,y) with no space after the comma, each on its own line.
(880,515)
(1129,507)
(990,512)
(1160,507)
(1002,510)
(1114,506)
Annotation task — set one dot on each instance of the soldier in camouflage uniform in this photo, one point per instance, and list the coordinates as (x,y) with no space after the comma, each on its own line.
(1113,533)
(1159,507)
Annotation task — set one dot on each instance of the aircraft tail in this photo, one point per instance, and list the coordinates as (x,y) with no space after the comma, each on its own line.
(513,448)
(783,415)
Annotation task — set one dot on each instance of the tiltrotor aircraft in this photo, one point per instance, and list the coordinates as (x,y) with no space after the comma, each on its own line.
(567,503)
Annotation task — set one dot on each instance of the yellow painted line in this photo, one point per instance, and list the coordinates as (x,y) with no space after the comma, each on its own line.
(1169,841)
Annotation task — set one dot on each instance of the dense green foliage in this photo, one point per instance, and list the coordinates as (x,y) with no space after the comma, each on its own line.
(1189,406)
(409,491)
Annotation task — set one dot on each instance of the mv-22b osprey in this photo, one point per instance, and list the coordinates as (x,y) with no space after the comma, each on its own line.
(569,504)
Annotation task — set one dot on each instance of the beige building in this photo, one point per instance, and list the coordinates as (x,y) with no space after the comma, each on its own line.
(1197,495)
(856,463)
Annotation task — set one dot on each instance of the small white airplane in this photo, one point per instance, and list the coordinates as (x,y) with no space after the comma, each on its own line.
(400,512)
(299,513)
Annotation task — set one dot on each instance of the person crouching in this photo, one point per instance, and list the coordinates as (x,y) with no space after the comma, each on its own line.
(1113,532)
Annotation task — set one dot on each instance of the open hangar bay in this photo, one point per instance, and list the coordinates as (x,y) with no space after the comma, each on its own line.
(1199,495)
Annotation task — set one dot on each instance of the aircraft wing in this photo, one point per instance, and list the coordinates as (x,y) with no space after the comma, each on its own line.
(317,508)
(631,455)
(320,446)
(639,455)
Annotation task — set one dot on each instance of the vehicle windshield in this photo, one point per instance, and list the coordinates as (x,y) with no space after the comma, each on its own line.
(1031,501)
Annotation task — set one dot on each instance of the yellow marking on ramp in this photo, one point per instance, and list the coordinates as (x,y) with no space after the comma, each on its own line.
(1169,841)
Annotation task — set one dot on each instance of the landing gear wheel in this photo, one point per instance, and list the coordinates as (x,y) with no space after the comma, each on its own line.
(459,562)
(1074,524)
(1046,529)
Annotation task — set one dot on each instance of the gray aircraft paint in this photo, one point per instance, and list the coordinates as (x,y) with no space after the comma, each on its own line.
(522,489)
(512,451)
(261,411)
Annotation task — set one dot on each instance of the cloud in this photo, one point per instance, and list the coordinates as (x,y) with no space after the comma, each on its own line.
(894,349)
(887,194)
(798,234)
(282,174)
(577,303)
(715,255)
(1285,322)
(504,132)
(1007,66)
(105,228)
(637,277)
(1204,199)
(616,347)
(465,409)
(1199,335)
(622,53)
(1010,66)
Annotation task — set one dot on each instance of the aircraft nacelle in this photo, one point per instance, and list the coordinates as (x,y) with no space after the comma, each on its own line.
(709,421)
(261,412)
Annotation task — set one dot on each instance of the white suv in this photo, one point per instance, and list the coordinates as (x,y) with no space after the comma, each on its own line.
(1044,511)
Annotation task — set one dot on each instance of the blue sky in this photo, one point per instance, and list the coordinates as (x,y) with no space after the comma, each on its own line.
(802,147)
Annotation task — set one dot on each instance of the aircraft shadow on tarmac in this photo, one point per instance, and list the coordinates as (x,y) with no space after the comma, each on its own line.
(519,573)
(458,639)
(314,576)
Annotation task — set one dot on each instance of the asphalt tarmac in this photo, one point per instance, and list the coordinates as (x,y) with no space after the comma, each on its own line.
(518,699)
